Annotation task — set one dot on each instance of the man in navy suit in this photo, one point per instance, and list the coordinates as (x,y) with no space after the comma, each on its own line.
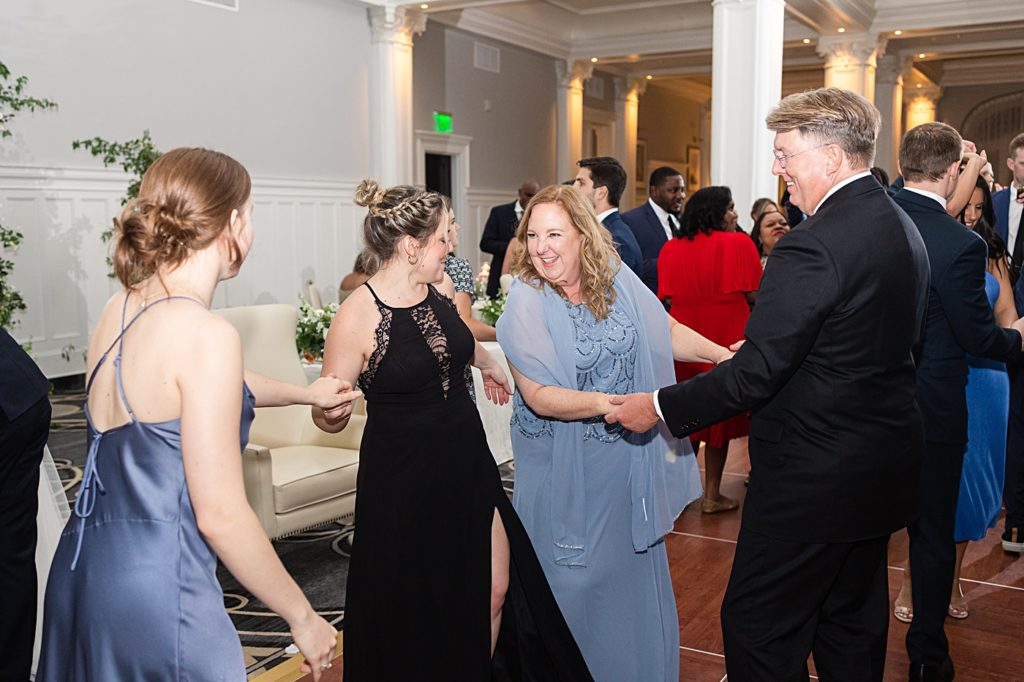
(959,321)
(835,431)
(500,228)
(24,425)
(1009,206)
(602,179)
(656,221)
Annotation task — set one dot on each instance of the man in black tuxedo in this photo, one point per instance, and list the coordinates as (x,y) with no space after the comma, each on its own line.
(602,179)
(500,228)
(656,221)
(24,425)
(835,432)
(959,321)
(1009,206)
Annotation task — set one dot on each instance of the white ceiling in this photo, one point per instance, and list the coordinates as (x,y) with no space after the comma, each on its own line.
(964,41)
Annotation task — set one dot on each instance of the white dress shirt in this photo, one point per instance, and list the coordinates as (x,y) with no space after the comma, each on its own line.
(838,186)
(663,218)
(604,214)
(518,208)
(931,195)
(1014,218)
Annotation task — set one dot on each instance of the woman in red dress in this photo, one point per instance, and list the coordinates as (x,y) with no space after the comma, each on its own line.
(709,274)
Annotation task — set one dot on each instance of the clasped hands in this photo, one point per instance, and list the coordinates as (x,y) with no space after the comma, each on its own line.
(334,396)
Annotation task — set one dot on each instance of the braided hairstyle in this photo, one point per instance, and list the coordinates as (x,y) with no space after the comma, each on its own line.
(396,212)
(184,205)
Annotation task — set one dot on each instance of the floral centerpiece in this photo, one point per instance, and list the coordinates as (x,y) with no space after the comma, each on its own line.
(312,329)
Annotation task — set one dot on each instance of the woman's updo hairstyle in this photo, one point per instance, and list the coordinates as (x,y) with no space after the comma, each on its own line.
(184,205)
(394,213)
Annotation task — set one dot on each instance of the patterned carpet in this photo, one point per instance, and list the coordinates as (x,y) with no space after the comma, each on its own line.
(317,559)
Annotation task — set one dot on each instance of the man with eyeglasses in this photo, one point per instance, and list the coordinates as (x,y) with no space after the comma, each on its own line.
(835,431)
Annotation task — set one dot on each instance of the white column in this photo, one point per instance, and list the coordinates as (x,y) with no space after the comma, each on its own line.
(571,76)
(627,105)
(391,136)
(746,73)
(889,100)
(850,62)
(921,103)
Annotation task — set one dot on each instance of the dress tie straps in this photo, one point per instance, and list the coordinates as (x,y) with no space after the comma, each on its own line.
(86,502)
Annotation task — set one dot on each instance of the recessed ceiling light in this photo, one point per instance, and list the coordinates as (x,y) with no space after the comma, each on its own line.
(841,29)
(807,41)
(897,32)
(650,77)
(918,85)
(424,6)
(593,60)
(920,55)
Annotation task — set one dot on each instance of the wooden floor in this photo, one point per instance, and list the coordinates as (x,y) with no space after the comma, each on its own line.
(984,647)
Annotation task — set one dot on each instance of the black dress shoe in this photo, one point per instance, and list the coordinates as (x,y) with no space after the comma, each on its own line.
(932,672)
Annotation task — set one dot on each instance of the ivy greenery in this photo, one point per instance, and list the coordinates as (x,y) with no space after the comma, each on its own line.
(134,157)
(12,100)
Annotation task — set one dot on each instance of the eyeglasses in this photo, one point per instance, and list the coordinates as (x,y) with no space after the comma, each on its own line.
(783,159)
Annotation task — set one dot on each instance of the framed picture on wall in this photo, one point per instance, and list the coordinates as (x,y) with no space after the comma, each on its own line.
(693,178)
(640,181)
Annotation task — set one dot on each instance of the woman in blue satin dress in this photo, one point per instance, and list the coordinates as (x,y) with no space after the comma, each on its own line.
(596,500)
(133,592)
(988,398)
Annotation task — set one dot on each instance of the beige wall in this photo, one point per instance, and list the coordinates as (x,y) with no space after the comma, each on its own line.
(512,141)
(669,123)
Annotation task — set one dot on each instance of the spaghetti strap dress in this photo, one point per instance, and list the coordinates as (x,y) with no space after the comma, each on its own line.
(417,603)
(133,591)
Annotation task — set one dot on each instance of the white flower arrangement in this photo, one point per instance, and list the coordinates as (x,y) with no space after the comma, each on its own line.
(311,329)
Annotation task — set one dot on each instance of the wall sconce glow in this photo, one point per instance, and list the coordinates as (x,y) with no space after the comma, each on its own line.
(807,41)
(443,122)
(918,85)
(897,32)
(921,55)
(841,29)
(593,60)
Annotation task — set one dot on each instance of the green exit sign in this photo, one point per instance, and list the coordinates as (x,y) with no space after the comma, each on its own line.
(443,122)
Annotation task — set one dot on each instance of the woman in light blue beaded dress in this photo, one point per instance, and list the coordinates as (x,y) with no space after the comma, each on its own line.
(596,500)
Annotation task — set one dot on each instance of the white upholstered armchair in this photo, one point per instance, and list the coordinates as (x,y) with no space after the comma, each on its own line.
(296,476)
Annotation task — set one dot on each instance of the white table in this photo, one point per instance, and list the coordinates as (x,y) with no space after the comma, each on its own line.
(495,418)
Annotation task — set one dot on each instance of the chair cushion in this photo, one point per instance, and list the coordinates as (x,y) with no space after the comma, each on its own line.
(308,474)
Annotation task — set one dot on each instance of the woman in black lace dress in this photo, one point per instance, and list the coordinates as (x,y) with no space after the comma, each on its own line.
(443,583)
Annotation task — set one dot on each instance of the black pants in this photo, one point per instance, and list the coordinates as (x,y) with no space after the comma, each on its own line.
(21,449)
(933,552)
(1014,491)
(786,600)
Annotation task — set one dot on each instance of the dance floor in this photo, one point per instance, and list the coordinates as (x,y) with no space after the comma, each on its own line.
(984,646)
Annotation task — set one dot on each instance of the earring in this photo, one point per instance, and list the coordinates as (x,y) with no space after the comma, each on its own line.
(413,259)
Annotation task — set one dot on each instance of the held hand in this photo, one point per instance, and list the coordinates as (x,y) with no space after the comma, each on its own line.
(316,640)
(496,386)
(736,346)
(634,411)
(327,392)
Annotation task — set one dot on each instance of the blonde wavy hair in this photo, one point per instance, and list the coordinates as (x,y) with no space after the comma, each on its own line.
(599,261)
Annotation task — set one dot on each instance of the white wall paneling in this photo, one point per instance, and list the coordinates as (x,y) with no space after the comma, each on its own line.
(479,204)
(305,229)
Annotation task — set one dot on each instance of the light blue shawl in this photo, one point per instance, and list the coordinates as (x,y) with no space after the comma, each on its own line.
(536,335)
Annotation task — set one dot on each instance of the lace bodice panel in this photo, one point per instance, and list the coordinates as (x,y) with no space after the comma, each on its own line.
(605,362)
(420,353)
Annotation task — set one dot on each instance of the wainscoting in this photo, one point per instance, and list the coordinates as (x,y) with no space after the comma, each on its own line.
(304,230)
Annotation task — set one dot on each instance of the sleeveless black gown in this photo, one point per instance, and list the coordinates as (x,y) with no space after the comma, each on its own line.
(418,595)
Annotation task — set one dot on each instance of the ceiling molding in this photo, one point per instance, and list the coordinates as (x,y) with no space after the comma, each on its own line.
(487,25)
(686,40)
(983,71)
(621,7)
(925,14)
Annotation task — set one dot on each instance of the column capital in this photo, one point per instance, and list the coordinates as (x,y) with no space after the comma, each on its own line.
(572,74)
(926,91)
(891,68)
(629,87)
(390,24)
(859,47)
